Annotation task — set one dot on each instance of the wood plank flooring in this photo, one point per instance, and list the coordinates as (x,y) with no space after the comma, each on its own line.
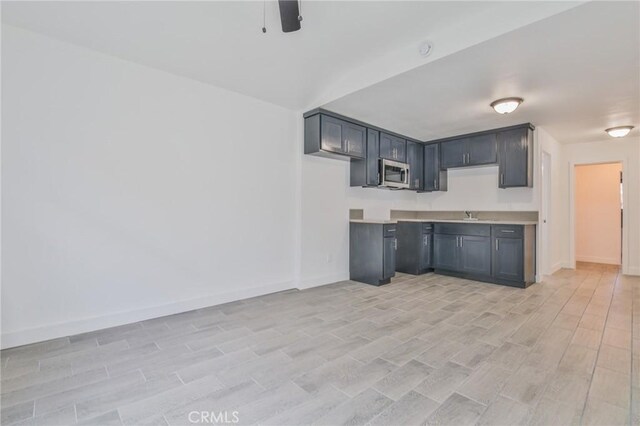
(422,350)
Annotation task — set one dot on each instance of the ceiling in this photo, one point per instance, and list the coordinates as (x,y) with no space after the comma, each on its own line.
(221,43)
(578,71)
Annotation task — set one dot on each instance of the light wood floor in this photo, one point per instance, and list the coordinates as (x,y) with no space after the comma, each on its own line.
(426,349)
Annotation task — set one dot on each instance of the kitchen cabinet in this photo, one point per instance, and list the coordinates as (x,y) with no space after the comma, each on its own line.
(445,252)
(475,255)
(372,252)
(329,136)
(463,248)
(469,151)
(364,172)
(415,159)
(515,165)
(513,254)
(414,247)
(435,179)
(393,147)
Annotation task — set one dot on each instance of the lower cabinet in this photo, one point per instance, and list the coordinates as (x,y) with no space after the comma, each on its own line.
(466,254)
(372,252)
(475,255)
(445,252)
(508,259)
(414,247)
(502,254)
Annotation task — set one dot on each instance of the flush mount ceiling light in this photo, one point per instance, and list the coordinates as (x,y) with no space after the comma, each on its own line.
(619,132)
(506,105)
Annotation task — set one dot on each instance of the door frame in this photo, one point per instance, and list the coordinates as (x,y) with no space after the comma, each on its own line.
(572,211)
(544,266)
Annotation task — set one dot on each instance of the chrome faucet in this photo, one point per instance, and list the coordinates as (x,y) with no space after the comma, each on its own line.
(469,214)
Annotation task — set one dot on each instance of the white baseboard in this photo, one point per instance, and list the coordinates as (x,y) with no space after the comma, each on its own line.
(595,259)
(322,280)
(555,268)
(69,328)
(633,271)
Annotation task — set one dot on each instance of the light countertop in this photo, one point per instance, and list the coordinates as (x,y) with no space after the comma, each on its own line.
(486,222)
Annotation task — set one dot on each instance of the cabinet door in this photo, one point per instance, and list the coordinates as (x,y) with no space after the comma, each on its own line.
(386,149)
(373,148)
(355,139)
(453,153)
(482,150)
(431,167)
(445,252)
(389,257)
(415,159)
(332,134)
(475,255)
(514,158)
(427,243)
(400,149)
(392,147)
(508,259)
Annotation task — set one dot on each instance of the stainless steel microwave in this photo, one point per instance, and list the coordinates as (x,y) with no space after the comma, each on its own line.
(393,174)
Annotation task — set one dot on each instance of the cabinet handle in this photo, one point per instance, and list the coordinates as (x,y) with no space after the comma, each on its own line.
(501,178)
(497,245)
(507,230)
(464,158)
(395,243)
(461,242)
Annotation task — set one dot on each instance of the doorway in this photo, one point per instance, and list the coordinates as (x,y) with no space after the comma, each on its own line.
(599,213)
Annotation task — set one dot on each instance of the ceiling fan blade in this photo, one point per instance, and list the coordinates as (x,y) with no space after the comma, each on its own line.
(289,13)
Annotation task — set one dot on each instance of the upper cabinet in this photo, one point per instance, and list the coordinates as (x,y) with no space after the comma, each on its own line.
(333,135)
(415,159)
(434,178)
(364,172)
(393,148)
(516,158)
(469,151)
(326,135)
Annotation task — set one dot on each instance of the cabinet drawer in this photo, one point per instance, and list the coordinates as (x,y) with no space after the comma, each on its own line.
(508,231)
(475,229)
(389,230)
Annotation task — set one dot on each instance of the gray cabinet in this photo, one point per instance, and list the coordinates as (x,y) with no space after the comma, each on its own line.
(508,259)
(389,257)
(475,255)
(364,172)
(469,151)
(393,147)
(330,136)
(435,179)
(372,252)
(445,252)
(513,254)
(516,158)
(453,153)
(415,159)
(463,248)
(414,247)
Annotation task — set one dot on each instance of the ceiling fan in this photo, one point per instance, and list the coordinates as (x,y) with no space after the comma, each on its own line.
(290,16)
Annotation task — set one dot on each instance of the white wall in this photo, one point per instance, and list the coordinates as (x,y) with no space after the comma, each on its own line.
(325,202)
(130,193)
(597,213)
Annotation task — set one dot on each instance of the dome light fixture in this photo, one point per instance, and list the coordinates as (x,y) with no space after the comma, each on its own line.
(506,105)
(619,132)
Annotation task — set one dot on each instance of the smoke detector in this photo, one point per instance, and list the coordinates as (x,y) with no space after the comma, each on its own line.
(425,48)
